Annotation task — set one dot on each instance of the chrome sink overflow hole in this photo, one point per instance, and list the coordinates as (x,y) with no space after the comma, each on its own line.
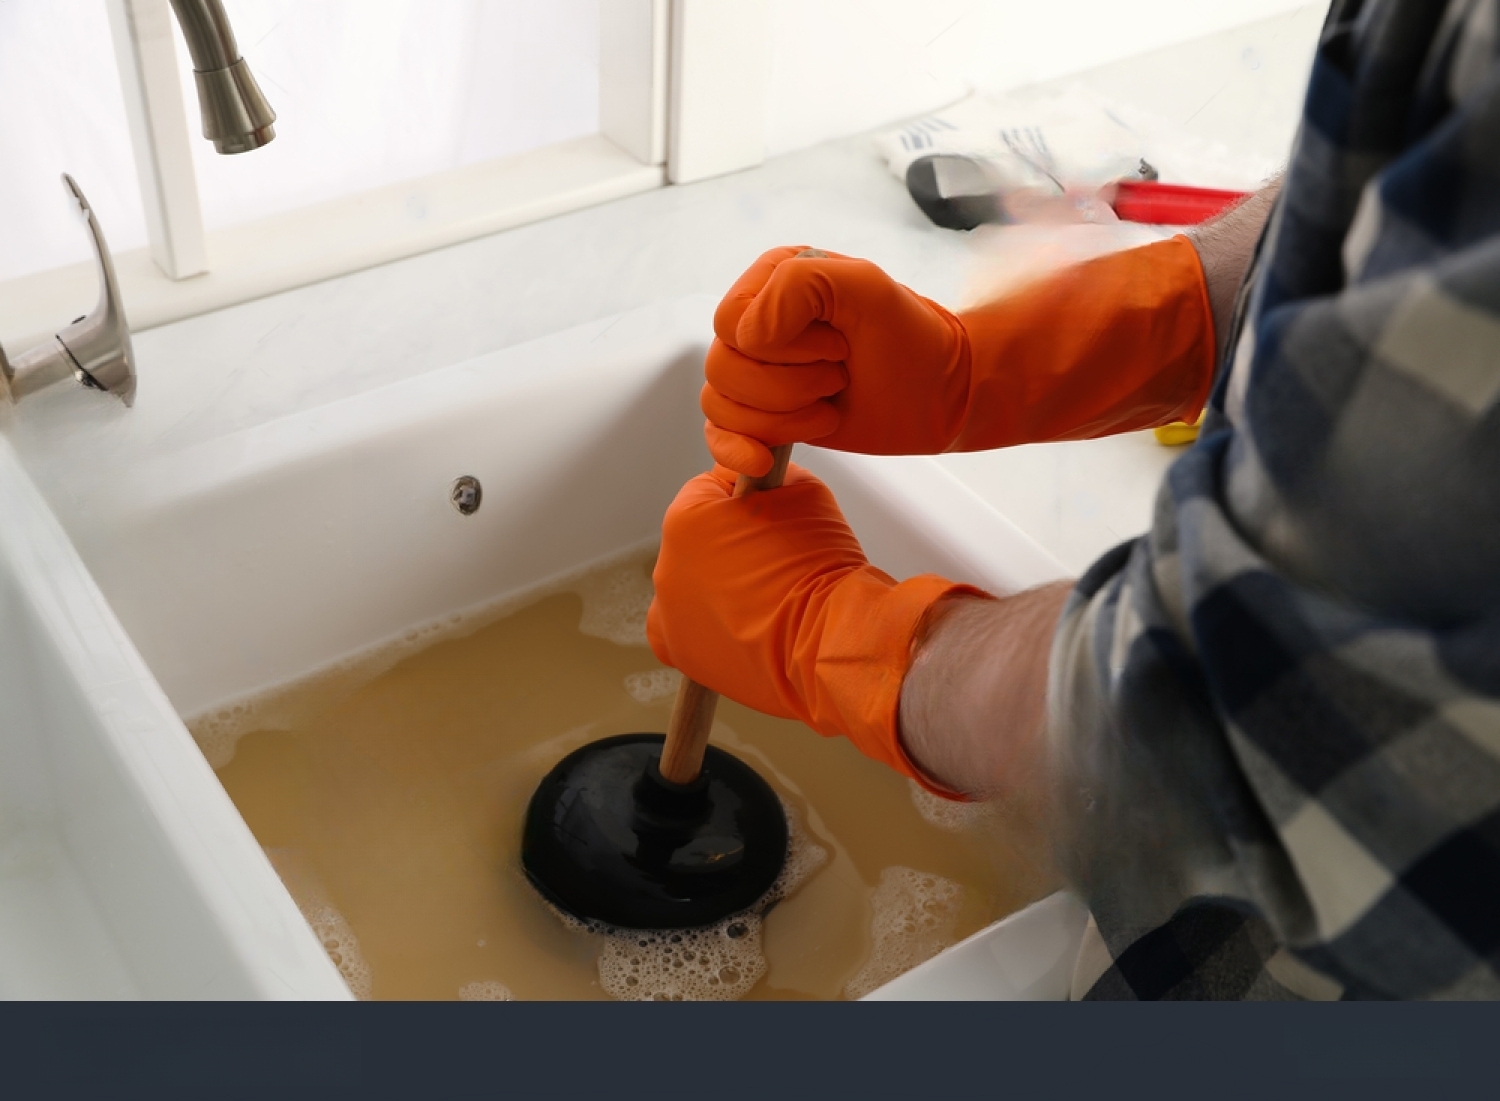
(466,494)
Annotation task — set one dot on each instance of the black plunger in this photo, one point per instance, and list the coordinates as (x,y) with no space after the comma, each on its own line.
(642,831)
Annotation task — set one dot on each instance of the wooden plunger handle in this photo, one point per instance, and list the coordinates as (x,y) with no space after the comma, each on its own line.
(693,713)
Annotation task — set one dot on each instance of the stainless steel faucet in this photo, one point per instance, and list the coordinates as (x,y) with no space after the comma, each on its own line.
(236,117)
(94,349)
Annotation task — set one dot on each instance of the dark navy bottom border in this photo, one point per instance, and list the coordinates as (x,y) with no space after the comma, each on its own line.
(709,1053)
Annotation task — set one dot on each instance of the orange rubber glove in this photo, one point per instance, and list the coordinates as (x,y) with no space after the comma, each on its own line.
(831,350)
(769,600)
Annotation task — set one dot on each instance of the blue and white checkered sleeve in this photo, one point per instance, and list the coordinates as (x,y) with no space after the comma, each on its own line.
(1284,702)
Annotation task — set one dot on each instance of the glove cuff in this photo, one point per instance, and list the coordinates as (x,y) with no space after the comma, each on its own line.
(858,646)
(1118,343)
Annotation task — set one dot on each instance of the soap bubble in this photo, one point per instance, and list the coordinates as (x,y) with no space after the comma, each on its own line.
(916,915)
(342,946)
(615,602)
(655,685)
(331,928)
(719,962)
(948,814)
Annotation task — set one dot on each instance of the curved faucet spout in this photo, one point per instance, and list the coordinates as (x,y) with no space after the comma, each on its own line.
(236,116)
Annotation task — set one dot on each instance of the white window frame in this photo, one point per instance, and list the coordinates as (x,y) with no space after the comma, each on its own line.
(682,98)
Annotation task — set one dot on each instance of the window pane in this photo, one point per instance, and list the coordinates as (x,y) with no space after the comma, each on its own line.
(368,92)
(61,111)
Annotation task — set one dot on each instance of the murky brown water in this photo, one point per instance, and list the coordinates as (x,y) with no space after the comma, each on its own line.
(390,795)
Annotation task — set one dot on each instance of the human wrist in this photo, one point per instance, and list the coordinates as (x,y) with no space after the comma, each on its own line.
(1225,246)
(973,703)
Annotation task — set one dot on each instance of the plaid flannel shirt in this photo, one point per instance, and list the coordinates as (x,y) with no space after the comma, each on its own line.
(1276,717)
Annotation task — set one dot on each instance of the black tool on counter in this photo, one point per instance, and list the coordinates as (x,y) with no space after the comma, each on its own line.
(959,192)
(955,192)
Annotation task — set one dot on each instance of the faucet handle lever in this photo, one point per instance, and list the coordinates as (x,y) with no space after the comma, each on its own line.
(99,344)
(94,349)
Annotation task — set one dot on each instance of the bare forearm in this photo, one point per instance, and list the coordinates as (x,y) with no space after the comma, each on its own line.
(973,705)
(1225,246)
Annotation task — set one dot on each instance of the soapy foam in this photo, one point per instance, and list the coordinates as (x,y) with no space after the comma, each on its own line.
(218,733)
(340,823)
(615,603)
(342,946)
(615,591)
(487,990)
(947,814)
(915,917)
(328,925)
(655,685)
(719,962)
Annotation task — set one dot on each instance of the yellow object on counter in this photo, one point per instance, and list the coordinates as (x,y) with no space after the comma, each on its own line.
(1178,432)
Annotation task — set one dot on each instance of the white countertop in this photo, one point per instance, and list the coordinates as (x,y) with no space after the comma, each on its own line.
(256,362)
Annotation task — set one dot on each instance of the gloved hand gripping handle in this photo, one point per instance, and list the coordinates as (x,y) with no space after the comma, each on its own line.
(693,712)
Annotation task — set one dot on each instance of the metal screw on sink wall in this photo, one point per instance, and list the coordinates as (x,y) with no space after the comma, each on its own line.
(466,495)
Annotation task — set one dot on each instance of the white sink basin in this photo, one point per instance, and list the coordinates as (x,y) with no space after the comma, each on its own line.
(251,557)
(125,871)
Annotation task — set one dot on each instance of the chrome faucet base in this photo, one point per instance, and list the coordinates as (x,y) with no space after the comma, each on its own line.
(95,349)
(236,118)
(37,369)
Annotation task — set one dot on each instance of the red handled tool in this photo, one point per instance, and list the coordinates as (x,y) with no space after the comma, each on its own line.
(1166,204)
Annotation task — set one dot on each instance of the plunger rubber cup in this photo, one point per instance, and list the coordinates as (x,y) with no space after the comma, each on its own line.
(608,840)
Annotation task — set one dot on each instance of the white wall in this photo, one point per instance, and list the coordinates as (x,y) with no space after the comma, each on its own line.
(60,111)
(368,92)
(476,84)
(839,67)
